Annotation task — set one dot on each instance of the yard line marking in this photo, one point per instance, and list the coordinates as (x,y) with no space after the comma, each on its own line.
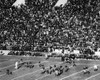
(89,59)
(8,61)
(88,64)
(3,58)
(74,74)
(22,68)
(6,67)
(92,76)
(43,77)
(3,62)
(29,73)
(2,75)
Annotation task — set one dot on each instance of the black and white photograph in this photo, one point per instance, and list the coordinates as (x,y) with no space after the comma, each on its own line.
(49,39)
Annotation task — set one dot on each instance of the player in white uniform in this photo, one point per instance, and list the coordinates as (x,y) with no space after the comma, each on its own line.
(56,72)
(16,65)
(95,67)
(46,56)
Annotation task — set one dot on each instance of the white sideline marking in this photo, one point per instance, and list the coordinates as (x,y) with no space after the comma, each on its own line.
(74,74)
(92,76)
(29,73)
(88,59)
(22,68)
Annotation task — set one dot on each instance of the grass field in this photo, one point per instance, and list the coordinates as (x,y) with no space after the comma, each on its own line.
(23,73)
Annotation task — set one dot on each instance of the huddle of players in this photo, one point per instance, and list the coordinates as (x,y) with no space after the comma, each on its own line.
(58,70)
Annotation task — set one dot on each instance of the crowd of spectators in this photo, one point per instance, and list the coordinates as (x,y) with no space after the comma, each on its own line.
(40,24)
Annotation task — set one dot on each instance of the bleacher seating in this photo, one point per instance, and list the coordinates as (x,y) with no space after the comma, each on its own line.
(39,25)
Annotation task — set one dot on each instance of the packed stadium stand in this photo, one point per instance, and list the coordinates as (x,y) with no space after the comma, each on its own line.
(44,40)
(39,25)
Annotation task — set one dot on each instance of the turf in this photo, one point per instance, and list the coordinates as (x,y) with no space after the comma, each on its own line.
(23,73)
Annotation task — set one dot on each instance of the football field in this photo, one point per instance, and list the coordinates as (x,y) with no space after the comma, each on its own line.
(24,73)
